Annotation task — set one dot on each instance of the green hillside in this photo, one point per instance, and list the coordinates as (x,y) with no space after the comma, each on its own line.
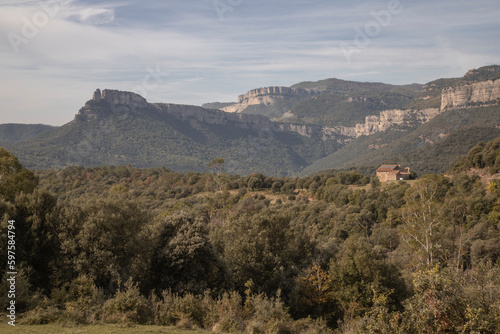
(429,148)
(339,102)
(151,139)
(347,87)
(483,155)
(347,110)
(10,133)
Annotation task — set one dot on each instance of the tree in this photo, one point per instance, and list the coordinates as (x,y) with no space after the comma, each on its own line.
(14,178)
(358,273)
(422,220)
(316,283)
(438,305)
(36,229)
(265,248)
(312,295)
(183,258)
(101,240)
(215,167)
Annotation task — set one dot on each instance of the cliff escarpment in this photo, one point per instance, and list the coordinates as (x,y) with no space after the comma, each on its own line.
(267,96)
(112,101)
(395,117)
(471,94)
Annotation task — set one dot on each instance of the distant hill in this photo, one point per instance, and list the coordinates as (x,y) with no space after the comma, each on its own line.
(284,131)
(11,133)
(429,148)
(329,102)
(123,129)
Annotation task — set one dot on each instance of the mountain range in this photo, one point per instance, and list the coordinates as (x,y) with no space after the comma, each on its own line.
(297,130)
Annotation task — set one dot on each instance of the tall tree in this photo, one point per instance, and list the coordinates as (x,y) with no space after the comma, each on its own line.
(14,178)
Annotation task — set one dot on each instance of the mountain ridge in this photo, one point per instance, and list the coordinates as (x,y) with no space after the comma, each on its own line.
(324,128)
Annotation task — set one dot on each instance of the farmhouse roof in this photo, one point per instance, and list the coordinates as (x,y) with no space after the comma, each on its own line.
(387,168)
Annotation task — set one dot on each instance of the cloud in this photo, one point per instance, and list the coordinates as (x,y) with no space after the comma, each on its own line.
(95,16)
(109,44)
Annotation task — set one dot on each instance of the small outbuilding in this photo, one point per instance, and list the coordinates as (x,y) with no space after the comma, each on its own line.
(393,173)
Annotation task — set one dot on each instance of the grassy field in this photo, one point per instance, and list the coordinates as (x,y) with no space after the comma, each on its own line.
(94,329)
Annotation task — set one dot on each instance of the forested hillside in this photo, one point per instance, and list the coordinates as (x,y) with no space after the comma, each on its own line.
(148,138)
(10,133)
(280,131)
(429,148)
(335,252)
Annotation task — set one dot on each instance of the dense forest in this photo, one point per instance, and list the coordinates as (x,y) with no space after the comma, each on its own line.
(334,252)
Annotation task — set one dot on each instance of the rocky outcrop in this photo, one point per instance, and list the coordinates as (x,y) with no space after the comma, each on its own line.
(120,98)
(273,91)
(309,130)
(113,101)
(466,94)
(388,118)
(266,96)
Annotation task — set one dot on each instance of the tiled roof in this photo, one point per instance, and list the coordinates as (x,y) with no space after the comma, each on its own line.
(387,168)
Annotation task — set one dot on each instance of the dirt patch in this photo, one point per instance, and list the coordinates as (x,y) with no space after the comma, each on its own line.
(484,174)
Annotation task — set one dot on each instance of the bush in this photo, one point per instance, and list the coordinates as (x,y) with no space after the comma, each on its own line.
(43,316)
(226,314)
(82,299)
(127,306)
(268,315)
(173,309)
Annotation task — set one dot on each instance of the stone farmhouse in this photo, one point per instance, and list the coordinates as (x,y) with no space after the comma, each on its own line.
(392,173)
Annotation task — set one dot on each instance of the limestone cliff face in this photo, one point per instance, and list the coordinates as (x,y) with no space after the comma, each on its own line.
(388,118)
(266,96)
(372,124)
(113,101)
(116,97)
(309,130)
(477,92)
(252,122)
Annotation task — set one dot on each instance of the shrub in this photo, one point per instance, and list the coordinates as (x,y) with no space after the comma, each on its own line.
(127,306)
(269,315)
(173,309)
(43,315)
(226,314)
(83,299)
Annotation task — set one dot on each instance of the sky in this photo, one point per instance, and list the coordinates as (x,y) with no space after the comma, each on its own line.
(55,53)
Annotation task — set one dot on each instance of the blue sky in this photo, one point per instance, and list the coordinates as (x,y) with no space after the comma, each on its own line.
(55,53)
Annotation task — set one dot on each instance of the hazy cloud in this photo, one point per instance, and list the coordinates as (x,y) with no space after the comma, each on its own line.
(87,44)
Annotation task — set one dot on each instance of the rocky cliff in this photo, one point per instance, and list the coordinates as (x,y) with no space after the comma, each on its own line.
(486,92)
(266,96)
(116,97)
(112,101)
(253,122)
(388,118)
